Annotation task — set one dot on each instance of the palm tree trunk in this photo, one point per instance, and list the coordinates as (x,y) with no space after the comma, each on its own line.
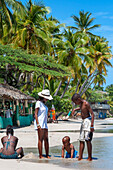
(84,83)
(65,89)
(58,88)
(88,85)
(77,86)
(1,27)
(44,83)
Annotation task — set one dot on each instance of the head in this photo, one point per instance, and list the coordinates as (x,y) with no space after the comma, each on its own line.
(44,95)
(42,99)
(9,130)
(66,140)
(76,98)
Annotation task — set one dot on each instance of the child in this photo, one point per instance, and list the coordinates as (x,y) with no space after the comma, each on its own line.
(87,126)
(71,152)
(40,122)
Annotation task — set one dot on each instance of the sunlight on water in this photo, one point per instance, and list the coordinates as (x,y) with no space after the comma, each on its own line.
(102,156)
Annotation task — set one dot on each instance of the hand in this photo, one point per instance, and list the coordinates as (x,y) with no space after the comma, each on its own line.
(78,114)
(39,127)
(92,129)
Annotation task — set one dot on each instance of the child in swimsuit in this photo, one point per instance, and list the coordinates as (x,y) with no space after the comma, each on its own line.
(9,142)
(70,150)
(87,125)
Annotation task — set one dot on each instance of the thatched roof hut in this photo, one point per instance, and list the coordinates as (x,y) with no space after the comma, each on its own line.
(11,93)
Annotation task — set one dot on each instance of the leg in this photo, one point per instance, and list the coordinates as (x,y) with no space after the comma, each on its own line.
(81,149)
(20,152)
(40,140)
(46,143)
(89,148)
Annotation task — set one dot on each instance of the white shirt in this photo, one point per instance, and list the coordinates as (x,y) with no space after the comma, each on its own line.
(8,113)
(42,115)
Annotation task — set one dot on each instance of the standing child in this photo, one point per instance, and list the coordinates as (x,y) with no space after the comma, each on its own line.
(71,152)
(40,122)
(87,126)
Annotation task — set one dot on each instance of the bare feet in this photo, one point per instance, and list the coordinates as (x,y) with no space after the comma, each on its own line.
(41,157)
(48,157)
(79,159)
(89,159)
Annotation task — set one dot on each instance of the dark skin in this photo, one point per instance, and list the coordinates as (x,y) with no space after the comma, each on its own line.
(68,147)
(12,148)
(85,113)
(42,135)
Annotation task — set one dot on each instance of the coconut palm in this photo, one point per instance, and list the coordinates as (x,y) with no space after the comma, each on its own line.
(100,53)
(71,53)
(29,33)
(6,15)
(84,22)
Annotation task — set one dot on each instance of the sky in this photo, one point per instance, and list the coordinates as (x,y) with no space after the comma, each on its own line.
(102,10)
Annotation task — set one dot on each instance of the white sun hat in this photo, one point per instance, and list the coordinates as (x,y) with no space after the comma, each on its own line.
(45,94)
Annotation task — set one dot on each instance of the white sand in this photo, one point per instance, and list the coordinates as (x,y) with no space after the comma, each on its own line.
(28,138)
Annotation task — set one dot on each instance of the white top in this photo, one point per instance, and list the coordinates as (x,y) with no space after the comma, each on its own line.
(42,115)
(8,113)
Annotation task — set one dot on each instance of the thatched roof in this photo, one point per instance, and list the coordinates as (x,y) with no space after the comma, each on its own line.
(10,92)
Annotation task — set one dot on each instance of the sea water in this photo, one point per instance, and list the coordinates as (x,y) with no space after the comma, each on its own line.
(102,156)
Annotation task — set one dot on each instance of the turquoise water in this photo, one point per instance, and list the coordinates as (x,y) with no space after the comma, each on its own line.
(102,156)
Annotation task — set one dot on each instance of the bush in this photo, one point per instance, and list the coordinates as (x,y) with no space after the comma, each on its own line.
(61,105)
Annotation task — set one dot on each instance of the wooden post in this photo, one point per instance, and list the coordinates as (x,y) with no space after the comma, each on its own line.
(26,106)
(13,106)
(17,113)
(30,109)
(3,104)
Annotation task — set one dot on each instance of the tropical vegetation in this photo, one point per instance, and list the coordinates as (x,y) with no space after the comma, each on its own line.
(38,52)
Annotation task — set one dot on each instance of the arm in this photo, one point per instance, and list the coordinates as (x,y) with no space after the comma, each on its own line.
(62,151)
(92,118)
(16,141)
(36,117)
(2,140)
(73,111)
(72,150)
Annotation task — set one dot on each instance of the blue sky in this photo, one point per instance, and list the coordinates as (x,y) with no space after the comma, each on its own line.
(102,10)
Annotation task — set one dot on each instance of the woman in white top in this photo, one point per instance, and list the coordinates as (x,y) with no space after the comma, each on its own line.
(40,122)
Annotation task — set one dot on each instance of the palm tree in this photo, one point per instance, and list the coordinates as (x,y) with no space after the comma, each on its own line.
(84,22)
(6,15)
(29,33)
(100,53)
(71,52)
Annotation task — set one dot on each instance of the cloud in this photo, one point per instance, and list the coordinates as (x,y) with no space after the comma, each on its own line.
(108,17)
(104,28)
(67,21)
(105,15)
(101,14)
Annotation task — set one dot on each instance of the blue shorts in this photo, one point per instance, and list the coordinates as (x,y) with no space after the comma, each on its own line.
(68,155)
(13,156)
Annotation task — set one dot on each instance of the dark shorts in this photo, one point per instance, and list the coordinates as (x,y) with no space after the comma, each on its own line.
(13,156)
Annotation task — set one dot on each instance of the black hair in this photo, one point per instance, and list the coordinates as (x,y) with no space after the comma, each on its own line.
(75,97)
(9,130)
(66,138)
(41,99)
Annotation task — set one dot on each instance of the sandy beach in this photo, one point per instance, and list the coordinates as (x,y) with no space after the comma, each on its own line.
(28,140)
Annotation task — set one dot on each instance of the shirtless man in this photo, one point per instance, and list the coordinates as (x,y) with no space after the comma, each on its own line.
(9,142)
(71,152)
(87,126)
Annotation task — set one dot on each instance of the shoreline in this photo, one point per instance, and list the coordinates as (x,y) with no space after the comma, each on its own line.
(28,139)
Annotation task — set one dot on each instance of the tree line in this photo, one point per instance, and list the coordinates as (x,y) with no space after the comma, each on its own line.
(38,51)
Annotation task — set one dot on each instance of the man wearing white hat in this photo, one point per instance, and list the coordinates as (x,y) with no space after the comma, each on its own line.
(40,122)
